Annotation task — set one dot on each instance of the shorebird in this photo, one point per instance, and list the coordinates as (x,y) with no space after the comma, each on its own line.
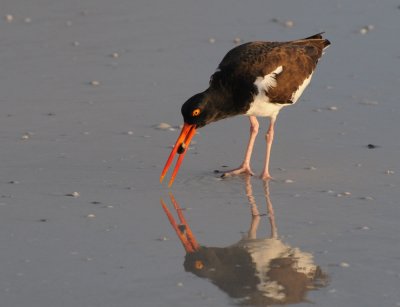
(256,79)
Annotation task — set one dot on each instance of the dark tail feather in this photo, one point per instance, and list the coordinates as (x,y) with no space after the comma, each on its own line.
(319,36)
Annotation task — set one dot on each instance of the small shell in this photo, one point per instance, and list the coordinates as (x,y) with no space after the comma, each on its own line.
(288,23)
(163,126)
(73,194)
(9,18)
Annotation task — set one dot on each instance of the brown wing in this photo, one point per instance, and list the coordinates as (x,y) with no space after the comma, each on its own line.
(297,58)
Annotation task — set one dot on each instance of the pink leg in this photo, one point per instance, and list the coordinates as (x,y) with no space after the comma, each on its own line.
(269,138)
(244,168)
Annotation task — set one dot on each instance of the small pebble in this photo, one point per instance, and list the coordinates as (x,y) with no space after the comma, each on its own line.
(289,181)
(344,265)
(364,228)
(366,29)
(13,182)
(333,108)
(9,18)
(73,194)
(91,215)
(347,193)
(311,168)
(163,126)
(163,239)
(115,55)
(180,284)
(389,172)
(211,40)
(94,83)
(43,220)
(289,23)
(372,146)
(237,40)
(129,132)
(25,136)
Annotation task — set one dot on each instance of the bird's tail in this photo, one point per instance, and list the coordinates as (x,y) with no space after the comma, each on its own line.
(319,36)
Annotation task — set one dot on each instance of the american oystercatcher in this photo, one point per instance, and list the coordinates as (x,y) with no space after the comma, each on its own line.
(254,79)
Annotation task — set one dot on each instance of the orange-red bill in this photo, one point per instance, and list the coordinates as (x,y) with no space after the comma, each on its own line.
(183,141)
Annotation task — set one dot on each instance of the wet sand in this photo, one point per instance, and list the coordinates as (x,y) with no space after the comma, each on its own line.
(83,85)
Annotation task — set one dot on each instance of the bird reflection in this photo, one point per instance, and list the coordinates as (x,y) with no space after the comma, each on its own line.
(254,271)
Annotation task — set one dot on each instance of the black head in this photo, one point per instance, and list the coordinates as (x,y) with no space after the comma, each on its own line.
(195,110)
(200,110)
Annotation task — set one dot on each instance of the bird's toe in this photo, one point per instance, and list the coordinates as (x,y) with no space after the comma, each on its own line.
(238,171)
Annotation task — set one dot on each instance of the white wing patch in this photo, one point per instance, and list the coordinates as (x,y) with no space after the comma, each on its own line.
(264,84)
(296,95)
(261,105)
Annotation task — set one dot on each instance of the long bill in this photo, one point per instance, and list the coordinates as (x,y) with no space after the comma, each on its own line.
(182,143)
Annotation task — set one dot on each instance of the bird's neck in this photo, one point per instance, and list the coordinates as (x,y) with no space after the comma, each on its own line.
(223,103)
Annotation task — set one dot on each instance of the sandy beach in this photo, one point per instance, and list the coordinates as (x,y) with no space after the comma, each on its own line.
(83,88)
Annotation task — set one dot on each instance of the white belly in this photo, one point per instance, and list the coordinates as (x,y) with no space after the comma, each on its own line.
(261,106)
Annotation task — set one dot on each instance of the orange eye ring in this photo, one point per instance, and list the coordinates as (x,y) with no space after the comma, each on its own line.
(199,265)
(196,112)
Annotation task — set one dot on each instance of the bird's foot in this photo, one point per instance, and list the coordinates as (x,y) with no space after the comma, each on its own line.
(266,176)
(238,171)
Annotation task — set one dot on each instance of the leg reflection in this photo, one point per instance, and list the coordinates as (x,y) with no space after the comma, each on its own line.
(254,270)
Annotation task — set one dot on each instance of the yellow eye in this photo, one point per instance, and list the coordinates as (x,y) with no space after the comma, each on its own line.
(198,264)
(196,112)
